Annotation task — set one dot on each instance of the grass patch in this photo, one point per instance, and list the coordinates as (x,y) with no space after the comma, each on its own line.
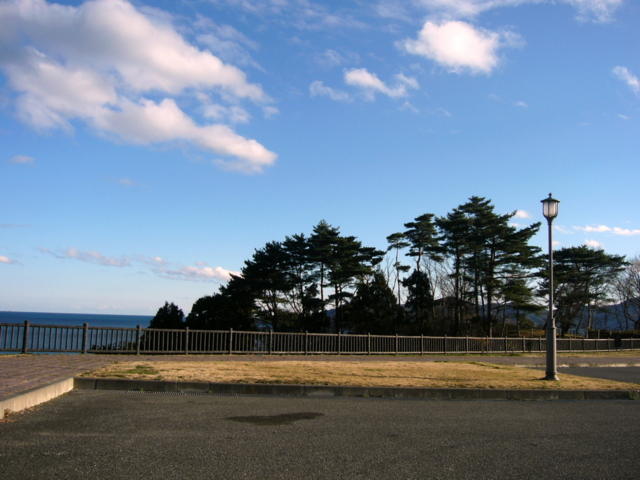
(407,373)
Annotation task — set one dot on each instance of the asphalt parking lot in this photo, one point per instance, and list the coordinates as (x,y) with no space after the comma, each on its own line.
(100,435)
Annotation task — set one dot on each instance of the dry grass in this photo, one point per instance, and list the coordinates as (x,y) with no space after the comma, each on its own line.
(356,373)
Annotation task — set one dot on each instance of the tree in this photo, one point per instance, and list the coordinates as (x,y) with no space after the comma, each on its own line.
(373,308)
(232,307)
(422,237)
(168,316)
(267,276)
(398,241)
(582,277)
(627,288)
(419,302)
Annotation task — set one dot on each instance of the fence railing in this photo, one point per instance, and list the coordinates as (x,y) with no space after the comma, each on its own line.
(27,338)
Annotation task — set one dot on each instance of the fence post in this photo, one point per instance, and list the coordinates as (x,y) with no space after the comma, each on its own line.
(505,343)
(186,340)
(230,341)
(339,338)
(270,341)
(524,345)
(466,342)
(25,337)
(396,343)
(85,337)
(421,344)
(368,344)
(445,344)
(138,338)
(306,342)
(569,344)
(583,343)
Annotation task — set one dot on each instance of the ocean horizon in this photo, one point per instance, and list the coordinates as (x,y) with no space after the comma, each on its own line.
(76,319)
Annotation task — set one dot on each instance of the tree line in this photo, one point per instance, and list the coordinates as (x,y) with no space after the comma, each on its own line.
(469,272)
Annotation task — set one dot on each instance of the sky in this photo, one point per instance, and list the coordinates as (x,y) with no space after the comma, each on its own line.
(147,148)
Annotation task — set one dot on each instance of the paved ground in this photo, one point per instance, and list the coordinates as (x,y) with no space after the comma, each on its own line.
(107,435)
(22,372)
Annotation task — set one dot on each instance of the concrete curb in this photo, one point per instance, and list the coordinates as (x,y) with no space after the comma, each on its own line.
(87,383)
(34,396)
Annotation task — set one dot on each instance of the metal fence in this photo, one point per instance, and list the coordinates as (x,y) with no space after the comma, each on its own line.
(27,338)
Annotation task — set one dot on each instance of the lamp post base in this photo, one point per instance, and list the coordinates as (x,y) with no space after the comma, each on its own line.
(552,372)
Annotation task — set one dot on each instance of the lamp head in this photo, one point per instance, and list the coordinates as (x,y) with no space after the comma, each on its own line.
(550,207)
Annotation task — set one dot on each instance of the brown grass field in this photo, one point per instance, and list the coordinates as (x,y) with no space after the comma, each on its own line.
(406,373)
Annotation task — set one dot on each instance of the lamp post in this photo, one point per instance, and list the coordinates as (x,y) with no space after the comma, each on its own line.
(550,211)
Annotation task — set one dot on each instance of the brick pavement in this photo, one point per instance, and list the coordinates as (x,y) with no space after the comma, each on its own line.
(22,372)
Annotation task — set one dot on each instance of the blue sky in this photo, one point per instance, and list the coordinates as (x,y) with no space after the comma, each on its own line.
(149,148)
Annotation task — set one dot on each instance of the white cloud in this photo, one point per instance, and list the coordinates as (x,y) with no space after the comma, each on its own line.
(21,160)
(522,214)
(371,84)
(269,111)
(91,256)
(408,106)
(199,273)
(627,77)
(318,88)
(562,229)
(593,244)
(598,228)
(330,58)
(302,14)
(226,42)
(625,231)
(459,46)
(96,63)
(522,104)
(624,117)
(155,261)
(7,260)
(595,10)
(604,228)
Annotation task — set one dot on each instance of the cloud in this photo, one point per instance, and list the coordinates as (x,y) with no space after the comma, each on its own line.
(625,231)
(627,77)
(198,273)
(155,261)
(522,214)
(371,84)
(460,47)
(598,228)
(593,244)
(226,42)
(7,260)
(89,256)
(97,62)
(21,160)
(587,10)
(330,58)
(318,89)
(604,228)
(522,104)
(562,229)
(595,10)
(302,14)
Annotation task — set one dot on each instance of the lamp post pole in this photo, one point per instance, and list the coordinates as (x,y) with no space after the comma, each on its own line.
(550,211)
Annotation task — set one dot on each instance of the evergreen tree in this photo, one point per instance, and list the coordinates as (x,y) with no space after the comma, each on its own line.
(422,237)
(373,308)
(168,316)
(419,304)
(232,307)
(397,242)
(582,277)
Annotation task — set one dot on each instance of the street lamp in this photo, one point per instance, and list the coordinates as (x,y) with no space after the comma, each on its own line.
(550,211)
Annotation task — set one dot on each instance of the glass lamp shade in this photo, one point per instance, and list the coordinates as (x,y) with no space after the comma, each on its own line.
(550,207)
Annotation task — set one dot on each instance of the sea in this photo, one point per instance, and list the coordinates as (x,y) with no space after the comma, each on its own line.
(76,319)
